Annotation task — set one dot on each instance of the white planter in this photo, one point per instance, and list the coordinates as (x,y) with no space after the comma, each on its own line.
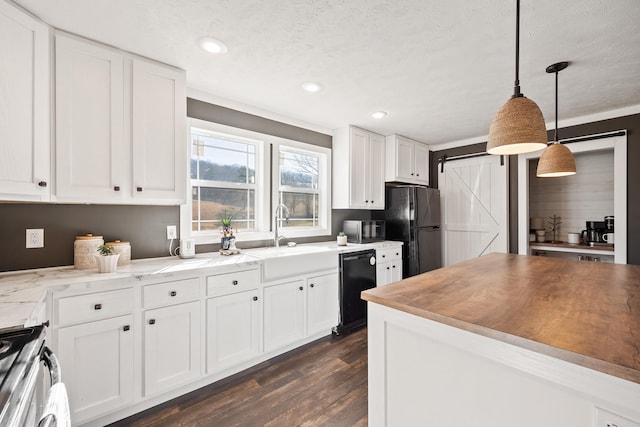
(342,240)
(107,263)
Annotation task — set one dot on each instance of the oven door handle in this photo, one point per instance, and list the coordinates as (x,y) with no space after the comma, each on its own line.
(56,410)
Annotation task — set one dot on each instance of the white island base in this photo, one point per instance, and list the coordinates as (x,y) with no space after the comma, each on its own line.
(425,373)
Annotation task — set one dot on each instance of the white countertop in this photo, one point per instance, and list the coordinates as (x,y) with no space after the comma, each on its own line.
(23,291)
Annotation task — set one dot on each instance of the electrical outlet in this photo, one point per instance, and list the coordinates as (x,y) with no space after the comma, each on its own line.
(171,232)
(605,418)
(35,238)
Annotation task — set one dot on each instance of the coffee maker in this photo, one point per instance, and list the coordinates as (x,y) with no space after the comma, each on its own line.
(594,233)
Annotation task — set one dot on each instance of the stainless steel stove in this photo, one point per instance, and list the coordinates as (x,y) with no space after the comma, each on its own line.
(23,385)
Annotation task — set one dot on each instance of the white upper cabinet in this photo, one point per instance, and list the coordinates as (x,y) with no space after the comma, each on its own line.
(358,169)
(159,132)
(120,126)
(24,106)
(90,152)
(407,161)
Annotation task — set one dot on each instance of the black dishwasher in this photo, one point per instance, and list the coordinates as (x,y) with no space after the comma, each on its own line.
(357,273)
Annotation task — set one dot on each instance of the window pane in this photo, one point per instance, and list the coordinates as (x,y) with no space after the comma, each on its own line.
(210,204)
(303,209)
(299,170)
(218,159)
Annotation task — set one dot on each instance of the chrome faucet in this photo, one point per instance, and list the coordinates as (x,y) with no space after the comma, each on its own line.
(282,209)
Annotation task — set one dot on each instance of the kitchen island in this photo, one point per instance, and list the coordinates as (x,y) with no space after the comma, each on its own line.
(506,340)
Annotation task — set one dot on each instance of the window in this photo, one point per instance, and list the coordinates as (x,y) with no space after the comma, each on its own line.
(231,175)
(226,180)
(302,177)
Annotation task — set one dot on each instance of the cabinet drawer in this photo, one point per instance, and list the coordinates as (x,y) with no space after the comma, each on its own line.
(169,293)
(230,283)
(90,307)
(388,254)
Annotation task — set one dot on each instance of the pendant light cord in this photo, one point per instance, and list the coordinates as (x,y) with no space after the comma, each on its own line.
(516,84)
(555,135)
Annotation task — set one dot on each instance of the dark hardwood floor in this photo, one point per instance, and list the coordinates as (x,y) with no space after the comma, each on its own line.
(321,384)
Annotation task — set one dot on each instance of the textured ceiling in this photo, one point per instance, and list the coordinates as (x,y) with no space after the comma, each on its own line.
(441,69)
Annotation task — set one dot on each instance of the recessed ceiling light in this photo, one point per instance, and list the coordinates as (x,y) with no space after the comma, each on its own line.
(212,45)
(379,114)
(312,87)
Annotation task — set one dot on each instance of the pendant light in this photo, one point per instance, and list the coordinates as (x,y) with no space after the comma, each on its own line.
(518,126)
(557,159)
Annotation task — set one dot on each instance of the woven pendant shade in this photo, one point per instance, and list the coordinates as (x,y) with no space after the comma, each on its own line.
(517,128)
(556,161)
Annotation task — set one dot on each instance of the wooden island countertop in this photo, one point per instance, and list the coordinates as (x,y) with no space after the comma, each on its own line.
(586,313)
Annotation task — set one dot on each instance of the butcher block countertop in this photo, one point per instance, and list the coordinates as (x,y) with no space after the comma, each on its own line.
(586,313)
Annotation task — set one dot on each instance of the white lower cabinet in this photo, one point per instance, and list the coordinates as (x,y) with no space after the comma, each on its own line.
(126,346)
(171,346)
(389,265)
(233,329)
(284,314)
(322,303)
(97,363)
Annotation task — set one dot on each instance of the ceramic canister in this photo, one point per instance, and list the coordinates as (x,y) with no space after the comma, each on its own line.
(84,249)
(122,248)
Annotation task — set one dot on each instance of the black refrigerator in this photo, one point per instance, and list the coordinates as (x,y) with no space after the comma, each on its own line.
(412,215)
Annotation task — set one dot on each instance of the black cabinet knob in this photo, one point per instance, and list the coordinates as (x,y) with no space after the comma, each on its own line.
(152,321)
(412,174)
(417,174)
(97,307)
(255,298)
(384,256)
(235,282)
(173,293)
(126,328)
(387,268)
(366,201)
(372,201)
(312,285)
(397,254)
(116,188)
(42,183)
(138,188)
(300,288)
(393,266)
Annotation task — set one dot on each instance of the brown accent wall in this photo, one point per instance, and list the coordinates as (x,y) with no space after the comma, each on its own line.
(629,123)
(144,226)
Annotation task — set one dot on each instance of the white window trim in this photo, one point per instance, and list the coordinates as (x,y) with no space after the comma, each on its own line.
(262,191)
(269,176)
(324,199)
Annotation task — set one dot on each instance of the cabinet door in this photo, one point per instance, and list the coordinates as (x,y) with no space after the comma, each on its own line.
(421,164)
(171,346)
(395,271)
(322,303)
(158,130)
(283,314)
(383,273)
(24,106)
(376,172)
(233,329)
(97,363)
(359,177)
(89,122)
(404,160)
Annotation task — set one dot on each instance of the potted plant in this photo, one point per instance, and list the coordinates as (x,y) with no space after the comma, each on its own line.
(227,231)
(342,239)
(106,259)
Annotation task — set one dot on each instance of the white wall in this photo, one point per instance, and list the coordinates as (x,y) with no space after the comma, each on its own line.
(586,196)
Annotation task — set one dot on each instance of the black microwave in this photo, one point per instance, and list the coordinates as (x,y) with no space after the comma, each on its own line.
(363,231)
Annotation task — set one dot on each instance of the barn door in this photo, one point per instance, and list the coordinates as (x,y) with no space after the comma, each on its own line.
(474,208)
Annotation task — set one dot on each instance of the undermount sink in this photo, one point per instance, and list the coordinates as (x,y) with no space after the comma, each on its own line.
(288,261)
